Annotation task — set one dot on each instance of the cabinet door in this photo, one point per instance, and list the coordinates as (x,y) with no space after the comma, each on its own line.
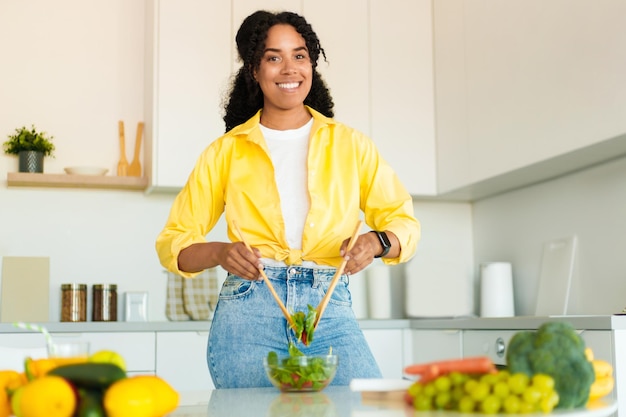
(189,70)
(14,348)
(387,346)
(517,86)
(137,348)
(181,360)
(619,338)
(344,35)
(435,345)
(402,90)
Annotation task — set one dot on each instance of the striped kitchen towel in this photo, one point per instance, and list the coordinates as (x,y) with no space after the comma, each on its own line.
(174,308)
(197,294)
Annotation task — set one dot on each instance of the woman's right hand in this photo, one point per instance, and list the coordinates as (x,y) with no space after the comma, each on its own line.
(233,257)
(237,259)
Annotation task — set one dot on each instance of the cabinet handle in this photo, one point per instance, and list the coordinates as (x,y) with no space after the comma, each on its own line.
(500,347)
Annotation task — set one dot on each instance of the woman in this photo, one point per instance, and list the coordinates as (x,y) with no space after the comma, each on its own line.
(295,182)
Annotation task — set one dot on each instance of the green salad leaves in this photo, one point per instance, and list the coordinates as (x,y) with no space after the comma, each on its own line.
(299,373)
(305,324)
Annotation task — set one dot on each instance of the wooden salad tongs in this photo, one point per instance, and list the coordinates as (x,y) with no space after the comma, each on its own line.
(333,283)
(122,166)
(268,283)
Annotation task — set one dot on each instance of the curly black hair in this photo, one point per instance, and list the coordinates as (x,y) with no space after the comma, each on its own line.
(245,97)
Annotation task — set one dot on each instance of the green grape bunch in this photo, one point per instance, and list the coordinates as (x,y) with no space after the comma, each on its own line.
(500,392)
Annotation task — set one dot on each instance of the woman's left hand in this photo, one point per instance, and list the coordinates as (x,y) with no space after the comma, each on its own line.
(365,249)
(362,253)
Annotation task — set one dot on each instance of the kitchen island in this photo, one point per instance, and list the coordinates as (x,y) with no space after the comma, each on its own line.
(334,401)
(176,351)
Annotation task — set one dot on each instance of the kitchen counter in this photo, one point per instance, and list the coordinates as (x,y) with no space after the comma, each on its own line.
(332,402)
(599,322)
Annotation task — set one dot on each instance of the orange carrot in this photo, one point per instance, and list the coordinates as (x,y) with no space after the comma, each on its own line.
(432,370)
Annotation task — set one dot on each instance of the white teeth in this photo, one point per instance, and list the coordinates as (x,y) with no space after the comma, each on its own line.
(288,85)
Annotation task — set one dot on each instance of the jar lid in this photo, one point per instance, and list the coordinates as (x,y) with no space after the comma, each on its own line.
(105,287)
(74,286)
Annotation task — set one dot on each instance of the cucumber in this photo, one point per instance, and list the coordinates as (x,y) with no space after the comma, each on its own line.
(90,403)
(90,375)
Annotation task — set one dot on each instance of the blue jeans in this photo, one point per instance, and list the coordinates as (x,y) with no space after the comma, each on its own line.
(248,324)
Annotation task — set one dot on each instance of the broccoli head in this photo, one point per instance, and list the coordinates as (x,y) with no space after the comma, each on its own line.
(555,349)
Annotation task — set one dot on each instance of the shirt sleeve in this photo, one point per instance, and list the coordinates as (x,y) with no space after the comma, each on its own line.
(386,202)
(195,211)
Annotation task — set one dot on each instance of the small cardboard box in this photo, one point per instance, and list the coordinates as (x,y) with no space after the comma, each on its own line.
(25,293)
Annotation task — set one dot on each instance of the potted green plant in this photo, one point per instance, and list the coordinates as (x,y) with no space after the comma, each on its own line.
(31,147)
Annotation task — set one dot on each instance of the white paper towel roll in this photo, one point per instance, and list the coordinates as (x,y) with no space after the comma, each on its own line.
(379,291)
(496,290)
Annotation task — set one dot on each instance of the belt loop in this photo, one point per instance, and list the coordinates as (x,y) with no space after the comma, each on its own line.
(316,278)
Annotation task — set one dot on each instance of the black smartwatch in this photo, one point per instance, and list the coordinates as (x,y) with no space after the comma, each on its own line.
(384,242)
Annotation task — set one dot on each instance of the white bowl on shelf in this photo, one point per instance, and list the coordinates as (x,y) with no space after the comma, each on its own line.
(86,170)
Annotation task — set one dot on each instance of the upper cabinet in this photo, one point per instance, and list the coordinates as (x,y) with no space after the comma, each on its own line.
(188,65)
(380,74)
(379,71)
(402,90)
(464,99)
(526,89)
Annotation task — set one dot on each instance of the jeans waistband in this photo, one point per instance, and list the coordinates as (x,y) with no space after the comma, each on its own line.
(305,264)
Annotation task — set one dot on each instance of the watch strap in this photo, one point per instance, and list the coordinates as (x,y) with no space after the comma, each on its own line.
(384,242)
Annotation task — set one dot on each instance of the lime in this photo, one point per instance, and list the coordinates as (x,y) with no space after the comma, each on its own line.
(108,356)
(16,402)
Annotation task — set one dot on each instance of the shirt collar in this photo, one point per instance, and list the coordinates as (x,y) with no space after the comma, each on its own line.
(251,131)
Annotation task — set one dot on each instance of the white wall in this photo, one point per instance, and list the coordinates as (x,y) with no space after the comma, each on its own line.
(590,204)
(74,68)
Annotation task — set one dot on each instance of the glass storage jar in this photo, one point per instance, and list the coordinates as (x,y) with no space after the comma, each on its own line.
(74,302)
(104,302)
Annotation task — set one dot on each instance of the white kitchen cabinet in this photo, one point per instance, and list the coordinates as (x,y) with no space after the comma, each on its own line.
(14,348)
(402,90)
(137,348)
(527,89)
(181,360)
(380,86)
(388,347)
(344,36)
(619,370)
(380,73)
(435,345)
(188,65)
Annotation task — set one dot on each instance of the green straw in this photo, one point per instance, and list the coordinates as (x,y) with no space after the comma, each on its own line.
(35,328)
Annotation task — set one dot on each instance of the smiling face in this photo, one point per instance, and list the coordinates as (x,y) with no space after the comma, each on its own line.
(285,71)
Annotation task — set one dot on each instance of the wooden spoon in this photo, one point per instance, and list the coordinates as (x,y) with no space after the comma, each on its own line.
(335,280)
(134,170)
(122,165)
(269,283)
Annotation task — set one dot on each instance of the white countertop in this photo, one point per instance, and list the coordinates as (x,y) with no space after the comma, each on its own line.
(599,322)
(332,402)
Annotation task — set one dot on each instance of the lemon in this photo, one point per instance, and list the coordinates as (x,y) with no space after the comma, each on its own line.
(108,356)
(165,397)
(129,397)
(47,396)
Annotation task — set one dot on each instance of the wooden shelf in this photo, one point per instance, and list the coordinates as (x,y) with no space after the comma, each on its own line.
(27,179)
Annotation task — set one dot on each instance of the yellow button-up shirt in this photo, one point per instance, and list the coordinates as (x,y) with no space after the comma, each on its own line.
(346,176)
